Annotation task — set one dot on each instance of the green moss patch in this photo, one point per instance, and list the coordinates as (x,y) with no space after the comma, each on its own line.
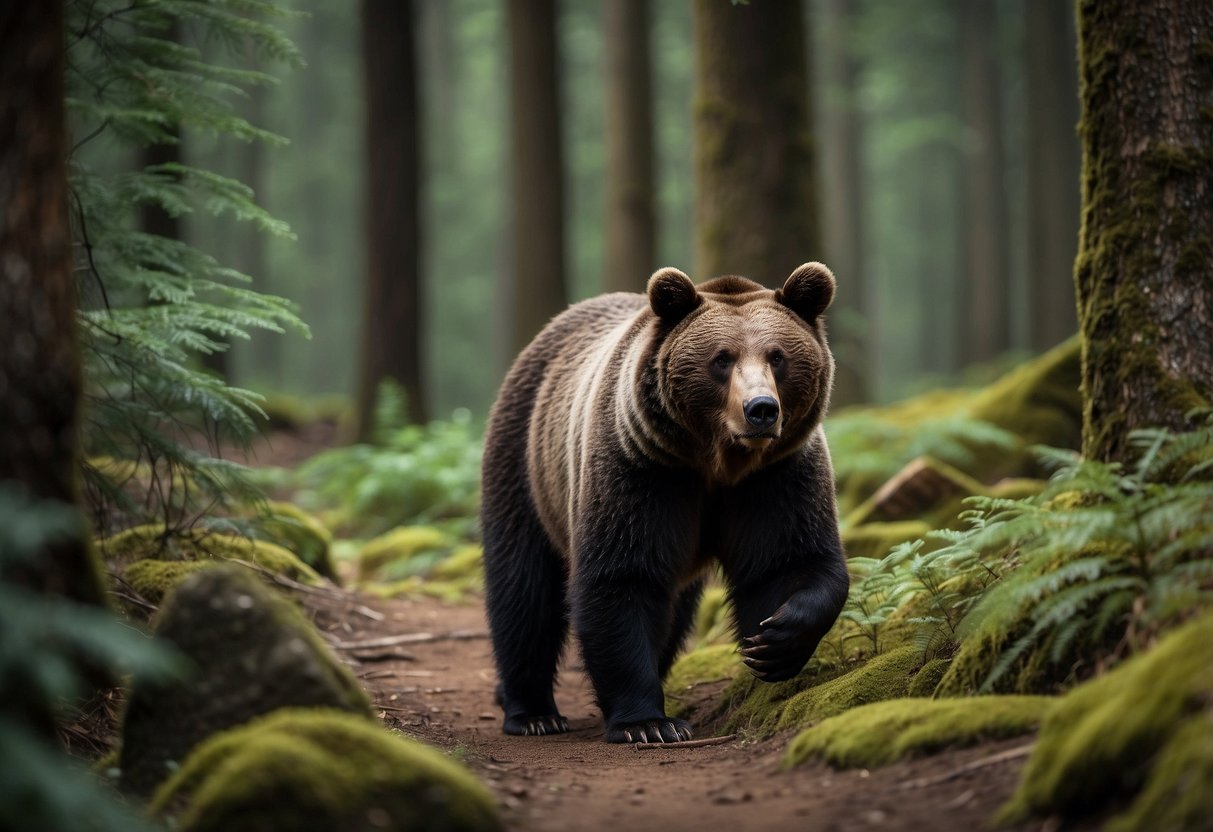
(713,663)
(155,542)
(1140,733)
(874,540)
(714,617)
(292,528)
(154,579)
(321,771)
(250,652)
(818,693)
(885,732)
(403,552)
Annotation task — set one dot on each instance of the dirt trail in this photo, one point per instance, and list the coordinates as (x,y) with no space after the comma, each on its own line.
(444,696)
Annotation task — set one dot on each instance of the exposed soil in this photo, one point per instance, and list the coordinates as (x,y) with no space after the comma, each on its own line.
(443,694)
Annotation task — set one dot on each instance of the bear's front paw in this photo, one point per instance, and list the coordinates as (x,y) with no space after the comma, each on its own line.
(536,726)
(663,729)
(780,650)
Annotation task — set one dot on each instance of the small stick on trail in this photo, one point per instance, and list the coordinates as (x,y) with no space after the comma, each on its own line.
(650,746)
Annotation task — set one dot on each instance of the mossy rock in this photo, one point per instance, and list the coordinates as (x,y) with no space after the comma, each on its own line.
(250,651)
(712,663)
(448,578)
(885,732)
(874,540)
(1140,733)
(927,678)
(321,771)
(766,708)
(292,413)
(292,528)
(154,542)
(403,552)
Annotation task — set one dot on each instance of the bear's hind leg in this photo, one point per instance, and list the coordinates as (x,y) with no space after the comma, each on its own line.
(528,617)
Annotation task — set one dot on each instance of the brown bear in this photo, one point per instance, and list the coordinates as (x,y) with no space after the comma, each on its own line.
(633,444)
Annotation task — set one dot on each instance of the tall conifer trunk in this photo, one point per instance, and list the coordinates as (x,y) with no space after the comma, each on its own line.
(1144,272)
(40,381)
(755,200)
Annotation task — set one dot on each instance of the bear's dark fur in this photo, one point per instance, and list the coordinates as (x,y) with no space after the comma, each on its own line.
(633,444)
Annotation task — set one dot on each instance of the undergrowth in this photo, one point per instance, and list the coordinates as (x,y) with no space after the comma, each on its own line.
(1063,583)
(411,474)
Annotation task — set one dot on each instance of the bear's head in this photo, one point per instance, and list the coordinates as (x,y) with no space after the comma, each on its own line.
(745,370)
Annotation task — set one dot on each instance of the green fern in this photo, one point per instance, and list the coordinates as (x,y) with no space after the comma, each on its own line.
(1071,580)
(151,306)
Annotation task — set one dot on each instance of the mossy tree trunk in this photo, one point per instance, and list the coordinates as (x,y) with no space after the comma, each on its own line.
(536,291)
(631,230)
(1144,272)
(40,380)
(755,197)
(1052,165)
(391,329)
(842,181)
(985,319)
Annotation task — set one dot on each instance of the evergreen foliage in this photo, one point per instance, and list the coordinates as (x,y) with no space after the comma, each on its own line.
(1060,584)
(151,305)
(46,644)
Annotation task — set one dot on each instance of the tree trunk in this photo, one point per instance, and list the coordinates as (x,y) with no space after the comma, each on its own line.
(1144,272)
(985,315)
(630,218)
(40,383)
(842,182)
(1053,164)
(755,209)
(538,290)
(391,331)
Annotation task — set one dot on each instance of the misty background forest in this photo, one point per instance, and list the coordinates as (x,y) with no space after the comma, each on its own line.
(264,265)
(939,132)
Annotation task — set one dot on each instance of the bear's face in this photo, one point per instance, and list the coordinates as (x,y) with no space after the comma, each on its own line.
(744,369)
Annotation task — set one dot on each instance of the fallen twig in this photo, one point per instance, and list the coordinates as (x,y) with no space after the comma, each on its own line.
(993,759)
(382,655)
(649,746)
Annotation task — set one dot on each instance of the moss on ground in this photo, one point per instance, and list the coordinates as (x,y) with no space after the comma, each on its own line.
(154,579)
(927,678)
(885,732)
(155,542)
(874,540)
(250,652)
(403,552)
(1139,733)
(321,771)
(712,663)
(817,693)
(450,578)
(292,528)
(713,618)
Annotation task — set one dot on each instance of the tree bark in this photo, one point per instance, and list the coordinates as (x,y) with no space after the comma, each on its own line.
(755,208)
(985,319)
(40,381)
(631,233)
(537,292)
(843,184)
(1144,272)
(391,331)
(1053,165)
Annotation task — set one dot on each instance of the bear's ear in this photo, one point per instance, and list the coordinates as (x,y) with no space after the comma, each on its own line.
(808,291)
(672,295)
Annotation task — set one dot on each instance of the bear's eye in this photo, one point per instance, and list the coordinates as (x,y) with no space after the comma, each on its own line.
(776,358)
(722,361)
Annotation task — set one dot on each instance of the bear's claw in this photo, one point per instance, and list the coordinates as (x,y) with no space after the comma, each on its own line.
(661,730)
(536,726)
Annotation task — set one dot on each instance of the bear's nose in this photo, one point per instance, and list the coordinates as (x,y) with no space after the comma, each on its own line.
(761,411)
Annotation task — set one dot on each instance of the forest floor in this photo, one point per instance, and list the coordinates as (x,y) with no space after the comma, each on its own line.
(441,692)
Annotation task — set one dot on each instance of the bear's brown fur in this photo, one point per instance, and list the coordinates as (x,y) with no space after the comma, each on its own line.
(633,444)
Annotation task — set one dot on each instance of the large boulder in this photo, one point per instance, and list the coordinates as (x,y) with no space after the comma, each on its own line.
(251,653)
